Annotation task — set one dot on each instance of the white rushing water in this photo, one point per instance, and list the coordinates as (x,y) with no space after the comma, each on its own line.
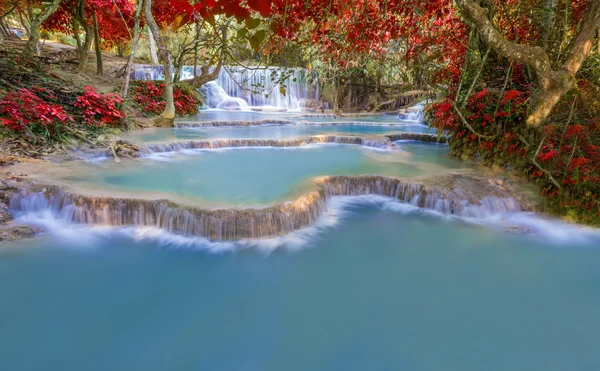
(245,89)
(502,214)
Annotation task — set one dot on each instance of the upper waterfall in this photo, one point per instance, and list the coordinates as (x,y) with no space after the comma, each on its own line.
(239,88)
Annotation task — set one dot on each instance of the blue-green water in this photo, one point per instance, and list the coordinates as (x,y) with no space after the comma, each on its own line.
(380,290)
(220,115)
(255,176)
(374,285)
(264,132)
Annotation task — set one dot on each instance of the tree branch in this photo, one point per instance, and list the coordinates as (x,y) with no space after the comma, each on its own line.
(533,56)
(581,44)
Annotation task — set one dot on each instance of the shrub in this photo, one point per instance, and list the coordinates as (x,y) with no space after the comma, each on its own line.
(562,157)
(148,97)
(25,111)
(100,109)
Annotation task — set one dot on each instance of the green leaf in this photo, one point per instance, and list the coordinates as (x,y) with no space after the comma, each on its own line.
(257,39)
(252,23)
(282,90)
(242,33)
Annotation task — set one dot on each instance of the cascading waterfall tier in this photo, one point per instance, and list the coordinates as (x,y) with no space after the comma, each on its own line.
(276,220)
(253,88)
(242,88)
(208,124)
(384,142)
(381,143)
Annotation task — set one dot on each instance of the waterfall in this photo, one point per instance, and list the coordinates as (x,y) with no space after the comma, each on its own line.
(413,114)
(383,143)
(278,219)
(258,89)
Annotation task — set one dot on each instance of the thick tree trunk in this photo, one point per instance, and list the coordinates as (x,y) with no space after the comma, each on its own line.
(34,29)
(552,84)
(97,45)
(153,55)
(167,118)
(134,42)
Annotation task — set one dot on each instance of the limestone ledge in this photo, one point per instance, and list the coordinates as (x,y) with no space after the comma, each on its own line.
(209,124)
(450,194)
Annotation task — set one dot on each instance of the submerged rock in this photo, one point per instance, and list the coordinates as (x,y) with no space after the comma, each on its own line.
(17,233)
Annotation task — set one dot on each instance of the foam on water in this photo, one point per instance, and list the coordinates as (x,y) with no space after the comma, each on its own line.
(552,231)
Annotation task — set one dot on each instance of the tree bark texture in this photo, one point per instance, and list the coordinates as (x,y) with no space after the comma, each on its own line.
(97,48)
(553,84)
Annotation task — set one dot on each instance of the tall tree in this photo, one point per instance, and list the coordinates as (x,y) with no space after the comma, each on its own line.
(166,118)
(134,43)
(552,82)
(97,47)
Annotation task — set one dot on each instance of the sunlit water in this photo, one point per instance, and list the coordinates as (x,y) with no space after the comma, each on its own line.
(377,290)
(255,176)
(265,132)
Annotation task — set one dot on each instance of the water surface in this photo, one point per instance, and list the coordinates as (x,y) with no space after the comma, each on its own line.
(378,291)
(162,135)
(251,176)
(224,115)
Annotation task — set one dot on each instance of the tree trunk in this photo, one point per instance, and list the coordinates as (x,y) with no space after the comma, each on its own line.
(34,29)
(167,118)
(552,84)
(153,55)
(85,47)
(75,26)
(79,13)
(97,45)
(134,42)
(547,22)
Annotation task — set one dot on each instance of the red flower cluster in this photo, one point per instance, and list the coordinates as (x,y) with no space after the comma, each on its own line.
(100,109)
(148,96)
(569,154)
(24,109)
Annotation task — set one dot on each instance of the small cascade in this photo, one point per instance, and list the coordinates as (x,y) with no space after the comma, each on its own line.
(149,72)
(215,224)
(419,137)
(241,143)
(413,114)
(441,199)
(279,219)
(382,143)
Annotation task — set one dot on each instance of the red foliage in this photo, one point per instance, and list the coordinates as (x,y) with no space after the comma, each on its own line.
(100,109)
(115,19)
(24,110)
(148,96)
